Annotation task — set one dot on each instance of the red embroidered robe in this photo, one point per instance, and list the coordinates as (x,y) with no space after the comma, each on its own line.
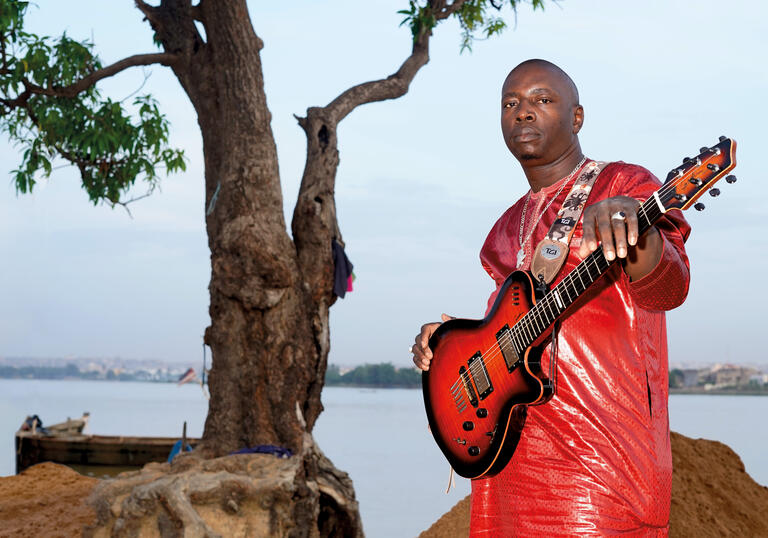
(596,459)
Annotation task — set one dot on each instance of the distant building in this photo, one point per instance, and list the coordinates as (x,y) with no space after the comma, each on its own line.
(690,377)
(730,375)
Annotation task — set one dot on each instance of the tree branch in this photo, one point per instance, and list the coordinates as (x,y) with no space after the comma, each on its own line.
(86,82)
(397,84)
(146,9)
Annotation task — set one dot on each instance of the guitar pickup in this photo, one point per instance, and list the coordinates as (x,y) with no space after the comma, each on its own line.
(508,351)
(480,375)
(464,376)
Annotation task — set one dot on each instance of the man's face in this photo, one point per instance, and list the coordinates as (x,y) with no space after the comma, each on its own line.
(540,115)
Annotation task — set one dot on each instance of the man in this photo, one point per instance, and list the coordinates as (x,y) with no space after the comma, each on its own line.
(595,460)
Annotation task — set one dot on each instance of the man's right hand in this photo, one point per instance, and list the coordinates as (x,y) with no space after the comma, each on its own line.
(422,355)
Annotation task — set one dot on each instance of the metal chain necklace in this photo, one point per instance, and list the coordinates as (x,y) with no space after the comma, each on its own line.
(522,242)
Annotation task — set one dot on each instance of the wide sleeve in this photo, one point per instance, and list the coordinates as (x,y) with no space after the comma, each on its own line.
(666,286)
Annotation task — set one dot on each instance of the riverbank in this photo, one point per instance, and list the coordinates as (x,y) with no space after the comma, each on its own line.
(712,496)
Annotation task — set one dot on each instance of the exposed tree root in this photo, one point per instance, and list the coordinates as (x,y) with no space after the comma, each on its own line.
(241,495)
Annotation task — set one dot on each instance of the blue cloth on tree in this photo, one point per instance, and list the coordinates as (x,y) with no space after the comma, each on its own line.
(278,451)
(342,269)
(177,449)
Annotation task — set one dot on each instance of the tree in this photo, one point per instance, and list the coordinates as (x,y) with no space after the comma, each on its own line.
(270,293)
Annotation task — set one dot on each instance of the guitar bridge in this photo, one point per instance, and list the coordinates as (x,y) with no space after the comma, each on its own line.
(464,376)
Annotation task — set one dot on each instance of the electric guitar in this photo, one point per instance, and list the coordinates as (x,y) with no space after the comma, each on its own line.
(484,373)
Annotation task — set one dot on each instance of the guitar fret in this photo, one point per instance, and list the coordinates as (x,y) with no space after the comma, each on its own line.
(578,273)
(547,311)
(556,295)
(551,313)
(536,320)
(565,289)
(643,213)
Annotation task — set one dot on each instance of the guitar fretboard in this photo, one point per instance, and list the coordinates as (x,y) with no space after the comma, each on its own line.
(545,312)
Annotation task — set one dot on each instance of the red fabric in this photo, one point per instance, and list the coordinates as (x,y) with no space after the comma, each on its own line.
(596,459)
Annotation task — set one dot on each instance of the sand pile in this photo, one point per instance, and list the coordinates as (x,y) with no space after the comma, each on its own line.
(712,496)
(45,500)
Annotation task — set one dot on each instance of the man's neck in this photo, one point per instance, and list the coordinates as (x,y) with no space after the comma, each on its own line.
(543,175)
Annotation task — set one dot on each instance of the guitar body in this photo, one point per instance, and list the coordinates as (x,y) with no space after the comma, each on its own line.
(477,388)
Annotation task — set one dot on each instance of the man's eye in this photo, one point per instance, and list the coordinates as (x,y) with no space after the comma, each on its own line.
(509,105)
(545,100)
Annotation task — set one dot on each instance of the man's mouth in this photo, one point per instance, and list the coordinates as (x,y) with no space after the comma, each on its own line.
(526,134)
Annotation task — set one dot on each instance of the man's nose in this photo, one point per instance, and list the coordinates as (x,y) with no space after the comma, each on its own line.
(524,115)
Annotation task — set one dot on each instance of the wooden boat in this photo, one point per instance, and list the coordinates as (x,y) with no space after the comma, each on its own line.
(93,454)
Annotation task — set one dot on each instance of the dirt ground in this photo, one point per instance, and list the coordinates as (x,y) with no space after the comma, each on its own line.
(45,500)
(712,496)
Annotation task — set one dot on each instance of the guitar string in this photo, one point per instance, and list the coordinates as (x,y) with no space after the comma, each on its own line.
(515,335)
(536,318)
(494,351)
(533,327)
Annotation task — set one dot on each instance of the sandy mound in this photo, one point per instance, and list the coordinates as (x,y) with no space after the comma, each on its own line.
(712,496)
(45,500)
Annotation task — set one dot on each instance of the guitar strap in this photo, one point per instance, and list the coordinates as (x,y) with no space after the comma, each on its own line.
(552,251)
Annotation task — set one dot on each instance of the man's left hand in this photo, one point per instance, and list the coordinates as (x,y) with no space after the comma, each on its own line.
(613,222)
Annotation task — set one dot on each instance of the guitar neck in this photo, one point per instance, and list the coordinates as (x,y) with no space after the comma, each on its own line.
(545,312)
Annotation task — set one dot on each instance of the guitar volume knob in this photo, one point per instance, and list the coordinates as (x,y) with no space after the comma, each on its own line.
(474,451)
(482,412)
(468,426)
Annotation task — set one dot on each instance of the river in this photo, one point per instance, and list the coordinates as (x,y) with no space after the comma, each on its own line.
(379,436)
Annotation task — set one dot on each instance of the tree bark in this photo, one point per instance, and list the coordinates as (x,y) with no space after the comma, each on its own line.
(266,372)
(265,356)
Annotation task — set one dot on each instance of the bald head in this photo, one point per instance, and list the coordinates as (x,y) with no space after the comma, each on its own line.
(566,84)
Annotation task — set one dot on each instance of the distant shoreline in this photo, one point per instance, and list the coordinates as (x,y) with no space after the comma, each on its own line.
(672,391)
(720,392)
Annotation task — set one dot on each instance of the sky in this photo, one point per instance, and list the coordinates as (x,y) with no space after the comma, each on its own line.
(421,181)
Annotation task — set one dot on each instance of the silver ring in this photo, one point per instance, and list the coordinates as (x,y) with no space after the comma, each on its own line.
(410,349)
(619,215)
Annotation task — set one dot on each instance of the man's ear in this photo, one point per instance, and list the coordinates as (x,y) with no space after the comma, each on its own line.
(578,118)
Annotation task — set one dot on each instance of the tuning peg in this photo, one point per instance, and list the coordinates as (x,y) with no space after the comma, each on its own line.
(713,167)
(730,179)
(714,192)
(686,159)
(703,149)
(699,206)
(723,138)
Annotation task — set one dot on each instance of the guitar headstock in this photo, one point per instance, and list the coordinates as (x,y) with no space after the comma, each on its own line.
(686,183)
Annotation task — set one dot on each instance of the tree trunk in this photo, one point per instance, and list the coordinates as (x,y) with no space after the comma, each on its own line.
(265,354)
(269,330)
